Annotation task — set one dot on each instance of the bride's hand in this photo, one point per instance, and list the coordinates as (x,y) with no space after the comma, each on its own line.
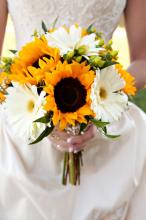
(66,142)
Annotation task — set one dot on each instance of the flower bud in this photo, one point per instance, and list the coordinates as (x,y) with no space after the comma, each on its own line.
(6,59)
(96,61)
(82,50)
(69,55)
(101,42)
(78,59)
(114,53)
(110,43)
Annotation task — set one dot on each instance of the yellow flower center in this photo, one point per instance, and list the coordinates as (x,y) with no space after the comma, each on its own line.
(103,93)
(30,106)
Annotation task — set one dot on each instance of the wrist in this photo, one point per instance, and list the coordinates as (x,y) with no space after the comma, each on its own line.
(137,69)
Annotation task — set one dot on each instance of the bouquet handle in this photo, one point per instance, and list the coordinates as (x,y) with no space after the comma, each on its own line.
(71,167)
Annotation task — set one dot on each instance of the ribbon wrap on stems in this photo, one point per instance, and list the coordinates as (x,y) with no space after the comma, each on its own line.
(72,162)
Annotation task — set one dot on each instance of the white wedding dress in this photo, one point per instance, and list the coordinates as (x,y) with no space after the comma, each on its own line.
(30,176)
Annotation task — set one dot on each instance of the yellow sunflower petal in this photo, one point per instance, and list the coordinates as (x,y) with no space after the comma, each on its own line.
(56,117)
(49,89)
(87,79)
(50,104)
(52,78)
(2,97)
(81,119)
(63,123)
(71,117)
(130,87)
(85,110)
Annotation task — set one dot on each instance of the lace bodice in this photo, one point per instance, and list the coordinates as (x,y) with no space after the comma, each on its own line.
(27,15)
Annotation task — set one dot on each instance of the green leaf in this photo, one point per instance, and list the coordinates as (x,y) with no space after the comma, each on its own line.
(55,21)
(82,127)
(112,136)
(102,125)
(104,129)
(45,119)
(91,29)
(44,27)
(6,64)
(13,51)
(109,63)
(44,134)
(98,123)
(139,99)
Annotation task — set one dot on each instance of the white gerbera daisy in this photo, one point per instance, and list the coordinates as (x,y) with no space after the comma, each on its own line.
(108,102)
(23,105)
(68,40)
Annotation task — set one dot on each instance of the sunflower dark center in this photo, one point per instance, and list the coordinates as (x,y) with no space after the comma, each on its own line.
(70,95)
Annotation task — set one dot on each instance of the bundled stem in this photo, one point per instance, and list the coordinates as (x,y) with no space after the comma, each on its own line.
(71,168)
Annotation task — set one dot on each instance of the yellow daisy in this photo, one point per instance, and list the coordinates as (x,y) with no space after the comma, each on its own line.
(68,88)
(129,88)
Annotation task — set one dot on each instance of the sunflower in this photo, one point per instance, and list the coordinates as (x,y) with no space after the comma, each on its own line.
(31,56)
(68,88)
(129,88)
(45,65)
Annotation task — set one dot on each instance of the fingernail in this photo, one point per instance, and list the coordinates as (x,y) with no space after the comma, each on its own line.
(70,149)
(69,140)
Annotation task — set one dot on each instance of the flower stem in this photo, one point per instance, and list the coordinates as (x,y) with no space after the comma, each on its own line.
(72,178)
(65,169)
(72,167)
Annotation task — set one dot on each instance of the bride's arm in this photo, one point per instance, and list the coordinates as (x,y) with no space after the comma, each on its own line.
(3,21)
(135,17)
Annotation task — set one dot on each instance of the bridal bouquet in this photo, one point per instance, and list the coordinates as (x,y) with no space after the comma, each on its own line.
(67,78)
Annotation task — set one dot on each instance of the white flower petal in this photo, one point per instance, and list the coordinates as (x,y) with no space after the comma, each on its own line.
(19,115)
(70,40)
(75,34)
(109,105)
(112,78)
(60,39)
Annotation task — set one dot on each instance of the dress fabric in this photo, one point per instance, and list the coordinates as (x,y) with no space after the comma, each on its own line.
(30,176)
(27,15)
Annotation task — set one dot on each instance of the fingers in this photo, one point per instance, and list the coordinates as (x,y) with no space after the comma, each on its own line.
(60,134)
(59,139)
(66,142)
(64,146)
(84,138)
